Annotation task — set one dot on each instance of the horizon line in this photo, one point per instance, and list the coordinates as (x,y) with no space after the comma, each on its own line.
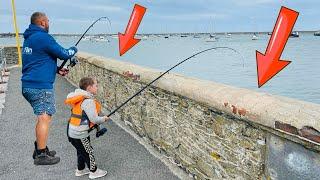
(159,33)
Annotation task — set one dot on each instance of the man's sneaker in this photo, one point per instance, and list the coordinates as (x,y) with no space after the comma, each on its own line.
(97,174)
(50,153)
(82,172)
(44,159)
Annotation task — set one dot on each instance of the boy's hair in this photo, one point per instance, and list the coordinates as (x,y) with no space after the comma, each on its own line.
(85,82)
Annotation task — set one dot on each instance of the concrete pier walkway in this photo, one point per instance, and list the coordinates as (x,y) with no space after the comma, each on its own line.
(117,152)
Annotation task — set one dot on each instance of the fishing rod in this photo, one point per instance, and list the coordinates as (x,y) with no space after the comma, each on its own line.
(74,62)
(102,130)
(142,89)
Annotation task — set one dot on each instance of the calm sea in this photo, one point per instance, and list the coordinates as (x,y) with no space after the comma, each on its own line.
(299,80)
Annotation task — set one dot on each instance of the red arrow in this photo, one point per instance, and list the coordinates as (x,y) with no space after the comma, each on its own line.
(127,40)
(269,65)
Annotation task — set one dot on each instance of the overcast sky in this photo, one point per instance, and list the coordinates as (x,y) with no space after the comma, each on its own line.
(73,16)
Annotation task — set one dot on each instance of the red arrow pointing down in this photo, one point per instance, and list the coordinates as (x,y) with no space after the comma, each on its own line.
(269,65)
(127,40)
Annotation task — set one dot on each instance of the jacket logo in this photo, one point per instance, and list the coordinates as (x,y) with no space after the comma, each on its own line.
(71,52)
(27,50)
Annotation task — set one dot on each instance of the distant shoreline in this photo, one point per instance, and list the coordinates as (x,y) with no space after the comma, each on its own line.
(182,33)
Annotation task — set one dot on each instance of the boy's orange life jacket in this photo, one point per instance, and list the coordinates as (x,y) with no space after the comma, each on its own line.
(78,116)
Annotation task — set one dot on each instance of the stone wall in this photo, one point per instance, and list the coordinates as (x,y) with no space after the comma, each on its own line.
(211,130)
(10,53)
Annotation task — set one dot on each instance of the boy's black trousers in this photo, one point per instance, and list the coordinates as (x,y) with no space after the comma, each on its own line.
(84,153)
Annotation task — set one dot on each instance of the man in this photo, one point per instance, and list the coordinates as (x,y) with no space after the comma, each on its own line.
(39,68)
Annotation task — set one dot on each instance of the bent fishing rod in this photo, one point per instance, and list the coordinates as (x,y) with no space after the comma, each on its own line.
(82,36)
(149,84)
(142,89)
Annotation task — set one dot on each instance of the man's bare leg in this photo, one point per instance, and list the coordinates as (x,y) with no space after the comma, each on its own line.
(42,130)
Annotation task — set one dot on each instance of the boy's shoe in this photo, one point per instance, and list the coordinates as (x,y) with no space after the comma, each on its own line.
(50,153)
(97,174)
(82,172)
(44,159)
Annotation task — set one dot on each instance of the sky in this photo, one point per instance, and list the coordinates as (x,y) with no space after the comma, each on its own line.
(162,16)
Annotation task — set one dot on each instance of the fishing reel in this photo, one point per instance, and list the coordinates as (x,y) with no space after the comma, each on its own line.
(73,61)
(101,130)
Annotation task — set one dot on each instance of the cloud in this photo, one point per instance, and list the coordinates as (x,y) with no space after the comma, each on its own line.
(8,18)
(86,6)
(254,3)
(54,1)
(104,8)
(69,20)
(228,15)
(194,16)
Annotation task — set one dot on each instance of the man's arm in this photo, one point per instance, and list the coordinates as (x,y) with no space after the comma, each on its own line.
(54,49)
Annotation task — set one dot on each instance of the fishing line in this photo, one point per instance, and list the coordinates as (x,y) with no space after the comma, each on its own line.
(181,62)
(73,62)
(192,56)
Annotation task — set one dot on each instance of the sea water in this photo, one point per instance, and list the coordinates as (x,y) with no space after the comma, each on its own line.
(299,80)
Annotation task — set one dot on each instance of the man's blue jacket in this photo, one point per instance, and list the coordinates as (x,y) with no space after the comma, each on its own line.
(39,58)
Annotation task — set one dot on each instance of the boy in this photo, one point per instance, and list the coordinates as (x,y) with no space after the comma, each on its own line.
(85,113)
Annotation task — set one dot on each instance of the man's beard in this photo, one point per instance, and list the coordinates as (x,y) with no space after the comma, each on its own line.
(47,28)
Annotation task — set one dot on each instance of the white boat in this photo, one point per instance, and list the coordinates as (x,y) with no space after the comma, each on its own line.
(101,39)
(294,34)
(89,38)
(196,36)
(114,36)
(228,35)
(86,38)
(254,37)
(212,38)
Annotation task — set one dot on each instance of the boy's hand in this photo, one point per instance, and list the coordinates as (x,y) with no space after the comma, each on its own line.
(106,118)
